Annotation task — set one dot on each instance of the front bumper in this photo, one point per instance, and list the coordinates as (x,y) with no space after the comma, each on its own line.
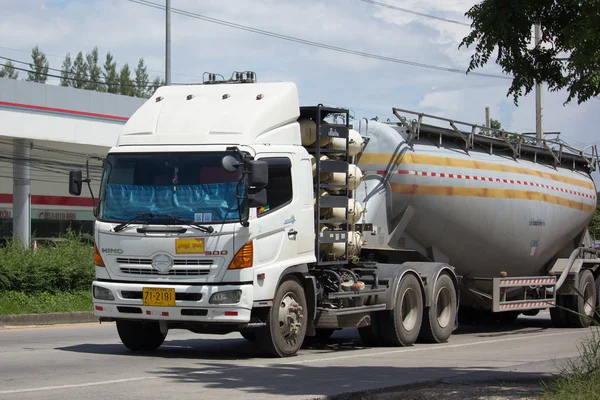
(126,305)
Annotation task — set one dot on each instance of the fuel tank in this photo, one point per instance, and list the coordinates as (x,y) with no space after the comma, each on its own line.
(482,209)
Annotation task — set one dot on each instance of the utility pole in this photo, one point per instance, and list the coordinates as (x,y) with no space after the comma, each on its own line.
(488,123)
(539,129)
(168,44)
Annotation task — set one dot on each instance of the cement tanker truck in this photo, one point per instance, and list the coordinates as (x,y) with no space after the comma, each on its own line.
(225,206)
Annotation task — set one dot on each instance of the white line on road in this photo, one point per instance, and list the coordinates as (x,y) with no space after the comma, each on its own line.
(77,385)
(309,361)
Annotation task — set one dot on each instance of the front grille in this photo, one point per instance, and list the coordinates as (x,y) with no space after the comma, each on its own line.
(179,261)
(137,295)
(173,272)
(129,310)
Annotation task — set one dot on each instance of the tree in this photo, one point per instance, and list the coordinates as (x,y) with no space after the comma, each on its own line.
(126,84)
(568,56)
(495,124)
(94,72)
(80,71)
(111,77)
(39,68)
(156,83)
(66,74)
(141,79)
(8,71)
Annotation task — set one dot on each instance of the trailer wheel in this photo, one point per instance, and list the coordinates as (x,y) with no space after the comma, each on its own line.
(401,326)
(582,312)
(597,311)
(140,336)
(438,320)
(558,313)
(286,321)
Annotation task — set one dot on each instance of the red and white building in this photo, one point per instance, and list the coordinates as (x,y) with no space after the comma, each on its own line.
(45,131)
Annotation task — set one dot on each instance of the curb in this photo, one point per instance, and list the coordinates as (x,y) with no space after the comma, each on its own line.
(48,319)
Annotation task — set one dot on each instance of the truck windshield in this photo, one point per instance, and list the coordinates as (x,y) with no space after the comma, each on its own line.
(193,186)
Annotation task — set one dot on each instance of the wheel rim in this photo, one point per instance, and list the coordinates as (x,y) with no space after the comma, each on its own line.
(409,309)
(290,317)
(443,307)
(588,298)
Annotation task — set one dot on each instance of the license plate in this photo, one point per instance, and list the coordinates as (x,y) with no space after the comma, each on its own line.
(161,297)
(189,246)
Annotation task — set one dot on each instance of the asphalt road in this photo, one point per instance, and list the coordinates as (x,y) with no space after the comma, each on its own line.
(88,362)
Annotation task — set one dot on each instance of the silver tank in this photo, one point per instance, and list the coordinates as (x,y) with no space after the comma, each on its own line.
(482,213)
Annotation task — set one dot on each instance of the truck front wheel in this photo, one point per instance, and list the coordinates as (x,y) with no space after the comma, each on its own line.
(140,336)
(286,321)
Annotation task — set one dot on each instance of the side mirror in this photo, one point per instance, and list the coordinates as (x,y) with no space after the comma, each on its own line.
(231,163)
(257,199)
(259,174)
(75,182)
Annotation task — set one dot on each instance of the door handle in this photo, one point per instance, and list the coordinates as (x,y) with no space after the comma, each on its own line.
(292,234)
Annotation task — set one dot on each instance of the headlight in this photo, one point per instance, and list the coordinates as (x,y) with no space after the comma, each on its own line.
(101,293)
(229,297)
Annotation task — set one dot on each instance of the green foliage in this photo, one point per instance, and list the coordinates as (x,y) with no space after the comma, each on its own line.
(494,123)
(80,71)
(126,87)
(8,71)
(579,378)
(39,67)
(67,267)
(111,78)
(569,55)
(94,72)
(141,79)
(12,303)
(595,223)
(66,74)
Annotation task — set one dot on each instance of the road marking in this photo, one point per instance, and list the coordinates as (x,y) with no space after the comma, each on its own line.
(78,385)
(309,361)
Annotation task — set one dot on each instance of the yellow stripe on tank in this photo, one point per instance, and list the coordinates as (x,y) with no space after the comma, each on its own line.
(491,193)
(424,159)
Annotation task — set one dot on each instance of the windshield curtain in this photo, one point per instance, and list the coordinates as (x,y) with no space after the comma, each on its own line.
(193,186)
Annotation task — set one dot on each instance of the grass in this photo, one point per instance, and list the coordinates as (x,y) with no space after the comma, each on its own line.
(579,378)
(39,303)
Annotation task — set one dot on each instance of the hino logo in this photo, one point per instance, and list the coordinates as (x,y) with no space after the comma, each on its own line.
(112,251)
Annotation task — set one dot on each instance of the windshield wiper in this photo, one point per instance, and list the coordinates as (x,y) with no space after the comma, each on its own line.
(140,218)
(144,217)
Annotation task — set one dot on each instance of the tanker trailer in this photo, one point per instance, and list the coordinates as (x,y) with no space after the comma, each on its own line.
(510,215)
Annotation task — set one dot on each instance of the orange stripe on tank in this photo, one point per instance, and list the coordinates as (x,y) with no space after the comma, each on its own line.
(424,159)
(490,193)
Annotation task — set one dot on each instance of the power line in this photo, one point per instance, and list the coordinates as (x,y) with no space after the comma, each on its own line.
(420,14)
(312,43)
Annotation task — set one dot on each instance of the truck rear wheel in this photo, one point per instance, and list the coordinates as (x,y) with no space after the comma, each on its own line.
(401,326)
(439,319)
(286,321)
(140,336)
(582,312)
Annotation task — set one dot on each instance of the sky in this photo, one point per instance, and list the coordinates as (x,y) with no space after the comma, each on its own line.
(369,87)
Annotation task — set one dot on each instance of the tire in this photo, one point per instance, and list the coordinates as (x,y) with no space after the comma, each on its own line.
(249,335)
(558,314)
(582,310)
(140,336)
(286,321)
(401,326)
(371,335)
(439,319)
